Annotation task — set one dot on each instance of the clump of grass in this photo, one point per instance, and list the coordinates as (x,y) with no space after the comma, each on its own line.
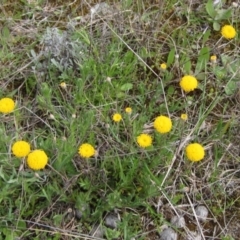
(115,123)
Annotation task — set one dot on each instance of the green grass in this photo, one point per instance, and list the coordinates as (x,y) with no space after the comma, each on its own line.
(113,62)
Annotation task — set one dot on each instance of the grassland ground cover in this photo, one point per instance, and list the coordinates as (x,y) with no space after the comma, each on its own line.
(120,119)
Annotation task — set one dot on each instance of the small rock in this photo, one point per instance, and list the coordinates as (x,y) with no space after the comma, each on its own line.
(78,214)
(111,221)
(178,221)
(168,234)
(202,213)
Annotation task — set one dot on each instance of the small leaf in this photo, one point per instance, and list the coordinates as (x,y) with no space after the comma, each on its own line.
(5,32)
(121,95)
(210,9)
(220,72)
(170,91)
(187,65)
(216,26)
(126,87)
(203,59)
(233,68)
(57,64)
(206,36)
(171,57)
(231,87)
(226,59)
(223,14)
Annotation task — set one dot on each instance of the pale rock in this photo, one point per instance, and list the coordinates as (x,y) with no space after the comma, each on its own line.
(178,221)
(168,234)
(111,221)
(201,212)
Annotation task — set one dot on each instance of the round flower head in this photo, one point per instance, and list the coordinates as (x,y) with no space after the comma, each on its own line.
(188,83)
(144,140)
(7,105)
(37,160)
(195,152)
(21,149)
(63,85)
(117,117)
(163,66)
(163,124)
(128,110)
(213,58)
(86,150)
(184,116)
(228,32)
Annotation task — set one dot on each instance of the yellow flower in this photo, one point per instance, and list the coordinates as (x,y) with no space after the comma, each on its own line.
(184,116)
(63,85)
(21,149)
(7,105)
(117,117)
(228,31)
(213,58)
(195,152)
(163,124)
(163,66)
(188,83)
(37,160)
(144,140)
(128,110)
(86,150)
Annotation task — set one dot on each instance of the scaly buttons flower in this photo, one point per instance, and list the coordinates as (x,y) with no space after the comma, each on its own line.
(7,105)
(86,150)
(37,160)
(117,117)
(144,140)
(184,116)
(195,152)
(163,124)
(128,110)
(21,149)
(63,85)
(163,66)
(213,58)
(228,31)
(188,83)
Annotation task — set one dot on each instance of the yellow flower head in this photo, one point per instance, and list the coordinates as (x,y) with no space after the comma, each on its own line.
(184,116)
(144,140)
(188,83)
(86,150)
(163,66)
(21,149)
(163,124)
(228,32)
(37,160)
(117,117)
(63,85)
(195,152)
(128,110)
(7,105)
(213,58)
